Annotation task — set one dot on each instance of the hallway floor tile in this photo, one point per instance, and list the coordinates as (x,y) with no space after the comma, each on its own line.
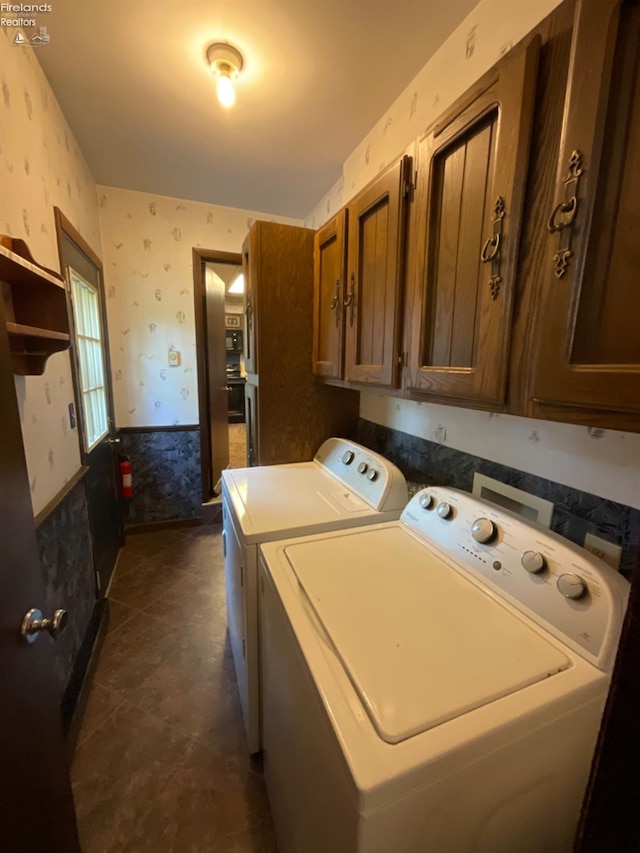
(161,761)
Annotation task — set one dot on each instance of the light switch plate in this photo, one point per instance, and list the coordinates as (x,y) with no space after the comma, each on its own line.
(607,551)
(174,358)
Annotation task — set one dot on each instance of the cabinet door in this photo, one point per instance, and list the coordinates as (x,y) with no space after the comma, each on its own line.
(250,268)
(251,422)
(328,280)
(472,167)
(373,299)
(588,333)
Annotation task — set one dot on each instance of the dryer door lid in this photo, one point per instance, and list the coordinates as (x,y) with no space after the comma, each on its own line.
(420,643)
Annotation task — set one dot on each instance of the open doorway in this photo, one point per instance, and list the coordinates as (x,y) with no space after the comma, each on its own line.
(218,288)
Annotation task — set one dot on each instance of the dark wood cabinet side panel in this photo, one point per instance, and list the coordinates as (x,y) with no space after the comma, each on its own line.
(289,412)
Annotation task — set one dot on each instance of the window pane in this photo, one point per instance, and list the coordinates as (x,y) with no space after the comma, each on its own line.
(89,348)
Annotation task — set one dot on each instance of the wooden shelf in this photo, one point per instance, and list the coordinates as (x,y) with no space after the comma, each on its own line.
(35,303)
(35,332)
(17,269)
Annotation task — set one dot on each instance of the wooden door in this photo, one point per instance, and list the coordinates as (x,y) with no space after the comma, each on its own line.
(375,265)
(588,333)
(251,269)
(82,270)
(251,423)
(472,167)
(218,415)
(329,258)
(37,806)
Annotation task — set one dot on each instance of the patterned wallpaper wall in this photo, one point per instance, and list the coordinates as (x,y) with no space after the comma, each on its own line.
(147,242)
(41,166)
(488,32)
(601,462)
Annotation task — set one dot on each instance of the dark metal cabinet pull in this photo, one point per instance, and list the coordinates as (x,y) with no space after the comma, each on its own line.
(564,215)
(491,250)
(349,299)
(335,302)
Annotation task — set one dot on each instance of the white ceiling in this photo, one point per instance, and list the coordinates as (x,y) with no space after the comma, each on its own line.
(133,82)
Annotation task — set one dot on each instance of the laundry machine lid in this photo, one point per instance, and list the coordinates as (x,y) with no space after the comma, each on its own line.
(273,501)
(419,641)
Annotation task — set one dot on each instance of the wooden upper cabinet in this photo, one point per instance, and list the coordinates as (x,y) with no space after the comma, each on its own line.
(328,295)
(372,304)
(464,235)
(589,332)
(250,269)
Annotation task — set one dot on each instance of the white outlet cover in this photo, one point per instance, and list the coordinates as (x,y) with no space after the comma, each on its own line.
(607,551)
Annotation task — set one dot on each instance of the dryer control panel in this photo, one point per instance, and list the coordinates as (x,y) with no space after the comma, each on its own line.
(368,474)
(571,593)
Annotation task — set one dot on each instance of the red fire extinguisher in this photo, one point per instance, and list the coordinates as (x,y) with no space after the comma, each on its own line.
(125,476)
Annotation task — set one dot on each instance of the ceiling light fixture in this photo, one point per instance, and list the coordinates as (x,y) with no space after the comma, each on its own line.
(226,64)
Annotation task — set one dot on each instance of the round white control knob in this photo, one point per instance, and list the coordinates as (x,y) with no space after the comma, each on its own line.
(347,457)
(362,468)
(444,510)
(571,586)
(372,474)
(483,530)
(533,562)
(426,501)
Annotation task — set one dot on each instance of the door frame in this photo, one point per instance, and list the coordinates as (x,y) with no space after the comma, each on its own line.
(64,227)
(200,257)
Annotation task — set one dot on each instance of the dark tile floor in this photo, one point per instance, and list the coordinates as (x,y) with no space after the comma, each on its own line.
(161,761)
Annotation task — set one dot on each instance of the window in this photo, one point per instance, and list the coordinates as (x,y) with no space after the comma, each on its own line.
(90,354)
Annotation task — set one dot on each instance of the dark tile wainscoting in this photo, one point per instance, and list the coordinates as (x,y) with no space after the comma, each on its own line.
(575,513)
(66,559)
(167,480)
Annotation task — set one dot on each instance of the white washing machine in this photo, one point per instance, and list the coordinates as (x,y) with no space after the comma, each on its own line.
(433,684)
(345,485)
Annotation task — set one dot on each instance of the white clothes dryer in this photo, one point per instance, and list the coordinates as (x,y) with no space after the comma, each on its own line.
(345,485)
(433,684)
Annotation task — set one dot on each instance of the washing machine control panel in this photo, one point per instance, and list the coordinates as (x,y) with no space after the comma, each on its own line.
(369,475)
(567,590)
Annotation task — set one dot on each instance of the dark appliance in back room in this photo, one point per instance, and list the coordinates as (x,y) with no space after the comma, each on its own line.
(234,341)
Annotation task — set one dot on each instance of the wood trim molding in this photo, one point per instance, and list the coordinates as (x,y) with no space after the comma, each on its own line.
(214,255)
(170,428)
(66,490)
(199,256)
(63,224)
(77,691)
